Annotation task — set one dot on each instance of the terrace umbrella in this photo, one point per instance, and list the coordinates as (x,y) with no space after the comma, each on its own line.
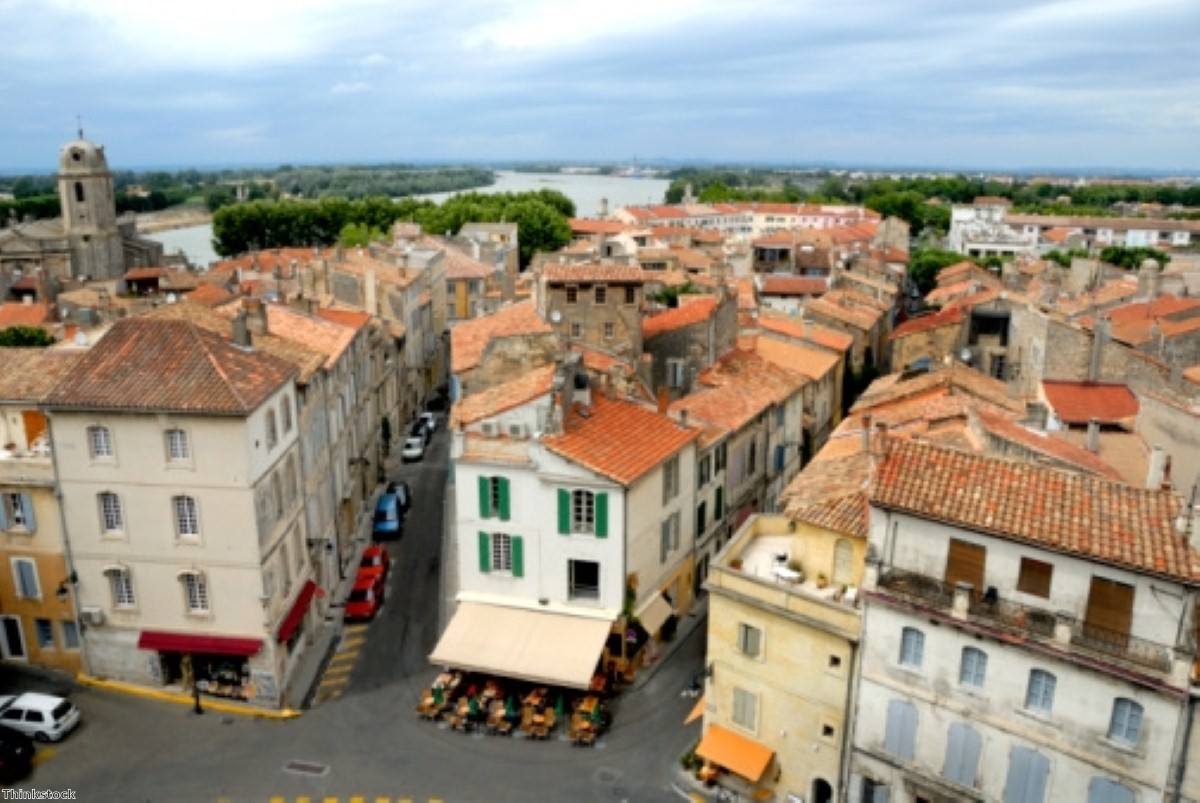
(596,716)
(560,708)
(473,707)
(437,694)
(510,708)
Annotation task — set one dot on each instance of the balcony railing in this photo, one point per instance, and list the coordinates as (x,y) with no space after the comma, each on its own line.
(1026,621)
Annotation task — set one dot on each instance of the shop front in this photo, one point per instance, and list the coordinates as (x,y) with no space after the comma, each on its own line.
(218,666)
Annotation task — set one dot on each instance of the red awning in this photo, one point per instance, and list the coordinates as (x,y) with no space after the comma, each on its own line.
(187,642)
(290,622)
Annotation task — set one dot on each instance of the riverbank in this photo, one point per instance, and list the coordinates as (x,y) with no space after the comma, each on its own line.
(170,219)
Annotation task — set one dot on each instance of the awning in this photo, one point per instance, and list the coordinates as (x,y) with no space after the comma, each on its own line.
(538,646)
(696,712)
(186,642)
(300,607)
(653,613)
(735,753)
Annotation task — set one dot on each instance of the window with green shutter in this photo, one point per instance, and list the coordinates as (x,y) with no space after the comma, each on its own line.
(719,506)
(518,556)
(485,553)
(485,497)
(564,511)
(601,515)
(502,497)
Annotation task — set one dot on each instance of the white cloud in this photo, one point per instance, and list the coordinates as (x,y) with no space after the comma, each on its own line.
(349,88)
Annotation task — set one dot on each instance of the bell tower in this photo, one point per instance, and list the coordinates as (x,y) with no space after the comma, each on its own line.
(89,211)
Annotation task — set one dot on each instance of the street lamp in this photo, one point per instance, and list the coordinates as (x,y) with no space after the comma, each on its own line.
(63,592)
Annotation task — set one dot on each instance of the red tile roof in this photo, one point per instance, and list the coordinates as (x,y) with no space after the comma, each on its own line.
(499,398)
(137,274)
(619,439)
(163,365)
(1057,449)
(469,339)
(592,272)
(836,305)
(805,329)
(809,362)
(15,313)
(346,317)
(461,266)
(738,387)
(591,226)
(1079,402)
(1076,514)
(29,374)
(950,317)
(210,295)
(686,314)
(793,286)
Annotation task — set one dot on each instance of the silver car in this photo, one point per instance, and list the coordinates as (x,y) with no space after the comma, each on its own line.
(42,716)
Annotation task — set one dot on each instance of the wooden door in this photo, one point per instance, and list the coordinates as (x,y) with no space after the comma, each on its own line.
(965,564)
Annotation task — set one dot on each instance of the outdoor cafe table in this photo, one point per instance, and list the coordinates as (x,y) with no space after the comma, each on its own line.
(589,705)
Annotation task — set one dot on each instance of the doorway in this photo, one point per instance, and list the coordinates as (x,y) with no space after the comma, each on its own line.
(14,642)
(822,792)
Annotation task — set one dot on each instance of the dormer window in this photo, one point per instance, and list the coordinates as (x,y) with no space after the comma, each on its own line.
(572,294)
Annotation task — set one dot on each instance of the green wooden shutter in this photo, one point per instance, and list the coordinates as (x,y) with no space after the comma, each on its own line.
(601,515)
(485,498)
(518,556)
(485,553)
(505,505)
(564,511)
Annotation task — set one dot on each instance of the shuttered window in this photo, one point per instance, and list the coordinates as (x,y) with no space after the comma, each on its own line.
(912,647)
(1040,694)
(1126,722)
(1027,771)
(494,501)
(973,670)
(900,737)
(25,578)
(1035,577)
(962,754)
(16,512)
(843,562)
(501,552)
(965,564)
(1109,610)
(1102,790)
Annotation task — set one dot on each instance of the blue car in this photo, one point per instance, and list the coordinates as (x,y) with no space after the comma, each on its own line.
(389,519)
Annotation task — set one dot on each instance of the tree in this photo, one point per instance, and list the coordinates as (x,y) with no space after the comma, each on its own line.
(1131,257)
(924,266)
(25,337)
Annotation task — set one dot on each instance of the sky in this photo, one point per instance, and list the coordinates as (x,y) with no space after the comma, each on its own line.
(952,84)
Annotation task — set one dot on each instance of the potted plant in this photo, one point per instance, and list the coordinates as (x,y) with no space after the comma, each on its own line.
(822,580)
(736,563)
(794,565)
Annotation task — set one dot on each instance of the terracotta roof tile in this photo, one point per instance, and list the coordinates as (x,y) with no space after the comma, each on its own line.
(811,363)
(29,374)
(805,329)
(1079,402)
(154,364)
(835,305)
(951,317)
(137,274)
(592,272)
(468,339)
(972,300)
(352,318)
(737,388)
(793,286)
(686,314)
(591,226)
(209,294)
(461,266)
(1073,513)
(499,398)
(619,439)
(15,313)
(1057,449)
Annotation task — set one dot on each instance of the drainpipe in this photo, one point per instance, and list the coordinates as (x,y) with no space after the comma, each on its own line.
(84,652)
(1181,757)
(852,678)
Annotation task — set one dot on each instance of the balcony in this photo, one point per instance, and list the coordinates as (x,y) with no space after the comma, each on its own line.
(1022,621)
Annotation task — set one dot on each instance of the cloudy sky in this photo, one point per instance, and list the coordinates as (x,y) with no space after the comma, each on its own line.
(964,83)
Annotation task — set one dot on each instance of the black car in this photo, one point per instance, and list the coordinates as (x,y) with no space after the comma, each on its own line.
(16,755)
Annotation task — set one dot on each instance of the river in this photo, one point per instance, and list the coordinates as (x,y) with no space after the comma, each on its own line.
(587,191)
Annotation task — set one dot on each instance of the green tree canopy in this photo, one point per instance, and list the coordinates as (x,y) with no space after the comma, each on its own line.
(924,265)
(25,337)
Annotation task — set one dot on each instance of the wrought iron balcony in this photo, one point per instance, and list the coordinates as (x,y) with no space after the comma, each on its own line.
(1025,621)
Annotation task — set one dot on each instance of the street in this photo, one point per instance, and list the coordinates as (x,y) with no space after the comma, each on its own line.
(362,739)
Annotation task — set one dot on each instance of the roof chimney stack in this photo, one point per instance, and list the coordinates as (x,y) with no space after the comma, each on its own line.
(1093,435)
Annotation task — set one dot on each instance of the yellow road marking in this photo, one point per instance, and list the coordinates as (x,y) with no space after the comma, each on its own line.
(337,681)
(43,754)
(359,628)
(331,800)
(343,667)
(277,800)
(303,800)
(357,799)
(354,642)
(342,656)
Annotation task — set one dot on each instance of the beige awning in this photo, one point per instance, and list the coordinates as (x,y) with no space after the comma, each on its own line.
(653,613)
(538,646)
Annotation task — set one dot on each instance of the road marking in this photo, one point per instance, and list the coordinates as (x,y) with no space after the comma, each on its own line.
(357,641)
(357,799)
(43,754)
(357,629)
(342,656)
(345,666)
(331,800)
(277,800)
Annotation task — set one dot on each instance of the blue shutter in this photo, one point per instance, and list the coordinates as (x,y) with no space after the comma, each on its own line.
(962,754)
(3,513)
(1027,771)
(1102,790)
(901,734)
(30,521)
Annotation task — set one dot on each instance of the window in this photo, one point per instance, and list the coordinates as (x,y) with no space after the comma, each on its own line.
(873,791)
(285,408)
(70,634)
(187,522)
(1034,577)
(272,432)
(752,457)
(780,457)
(582,512)
(121,583)
(843,562)
(664,540)
(701,518)
(100,443)
(572,294)
(670,479)
(16,512)
(584,579)
(722,455)
(45,633)
(835,663)
(1027,771)
(25,579)
(576,329)
(276,496)
(630,295)
(195,592)
(675,373)
(1102,790)
(1040,694)
(79,191)
(609,331)
(912,647)
(1126,722)
(973,670)
(705,471)
(962,754)
(499,552)
(177,445)
(719,505)
(494,500)
(111,518)
(749,641)
(601,294)
(745,709)
(779,416)
(900,735)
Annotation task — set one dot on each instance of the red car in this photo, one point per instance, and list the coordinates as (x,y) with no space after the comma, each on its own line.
(375,561)
(366,598)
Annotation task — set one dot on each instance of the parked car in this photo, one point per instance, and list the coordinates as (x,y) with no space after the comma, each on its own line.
(366,598)
(430,420)
(414,449)
(403,493)
(389,519)
(41,716)
(16,755)
(420,429)
(375,561)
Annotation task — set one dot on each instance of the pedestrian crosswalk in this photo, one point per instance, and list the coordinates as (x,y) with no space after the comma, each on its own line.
(337,674)
(333,799)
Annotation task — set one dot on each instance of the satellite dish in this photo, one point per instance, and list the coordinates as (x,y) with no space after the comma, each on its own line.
(555,316)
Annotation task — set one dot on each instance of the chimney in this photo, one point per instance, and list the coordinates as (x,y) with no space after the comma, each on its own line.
(866,434)
(1154,473)
(664,399)
(683,418)
(241,332)
(369,300)
(1099,340)
(255,315)
(1093,435)
(880,445)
